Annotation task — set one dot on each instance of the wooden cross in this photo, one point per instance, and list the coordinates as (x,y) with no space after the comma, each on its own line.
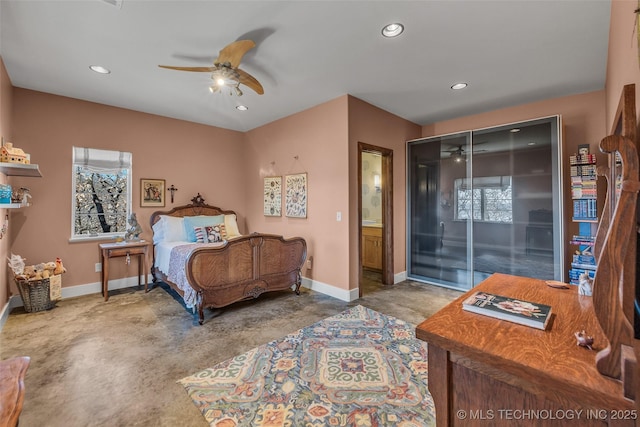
(172,189)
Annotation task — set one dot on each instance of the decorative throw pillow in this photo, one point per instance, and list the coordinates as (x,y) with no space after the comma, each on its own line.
(210,233)
(215,233)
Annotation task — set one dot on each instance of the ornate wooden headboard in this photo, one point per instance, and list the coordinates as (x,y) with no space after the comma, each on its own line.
(197,207)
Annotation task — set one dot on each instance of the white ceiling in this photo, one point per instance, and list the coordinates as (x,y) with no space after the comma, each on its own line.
(308,52)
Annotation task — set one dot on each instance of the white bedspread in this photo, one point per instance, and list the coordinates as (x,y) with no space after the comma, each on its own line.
(171,259)
(163,255)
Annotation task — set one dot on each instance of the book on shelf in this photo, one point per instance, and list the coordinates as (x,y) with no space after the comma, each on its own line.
(581,242)
(584,238)
(584,171)
(586,259)
(582,159)
(575,273)
(580,266)
(585,209)
(509,309)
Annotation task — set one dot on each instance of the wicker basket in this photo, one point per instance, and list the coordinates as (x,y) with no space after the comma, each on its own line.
(35,295)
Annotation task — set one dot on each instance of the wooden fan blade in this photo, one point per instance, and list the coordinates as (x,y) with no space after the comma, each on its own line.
(197,69)
(250,81)
(234,52)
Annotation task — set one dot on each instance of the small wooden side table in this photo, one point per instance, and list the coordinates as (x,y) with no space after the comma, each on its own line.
(12,372)
(125,249)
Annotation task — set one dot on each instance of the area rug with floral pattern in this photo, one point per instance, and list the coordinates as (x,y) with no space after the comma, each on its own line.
(357,368)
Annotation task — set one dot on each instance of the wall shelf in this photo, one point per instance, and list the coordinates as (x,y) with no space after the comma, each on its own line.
(13,205)
(18,169)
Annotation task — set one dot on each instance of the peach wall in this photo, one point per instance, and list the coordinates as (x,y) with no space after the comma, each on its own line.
(324,137)
(623,63)
(318,137)
(374,126)
(583,118)
(193,157)
(6,107)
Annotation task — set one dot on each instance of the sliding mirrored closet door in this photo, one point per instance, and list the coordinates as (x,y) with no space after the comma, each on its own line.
(483,202)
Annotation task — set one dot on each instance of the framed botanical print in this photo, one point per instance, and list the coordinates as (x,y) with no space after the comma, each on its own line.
(296,195)
(152,192)
(273,196)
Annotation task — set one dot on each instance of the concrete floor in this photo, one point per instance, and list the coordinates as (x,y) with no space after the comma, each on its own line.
(116,363)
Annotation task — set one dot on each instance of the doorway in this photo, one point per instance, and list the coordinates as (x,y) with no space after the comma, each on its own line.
(375,213)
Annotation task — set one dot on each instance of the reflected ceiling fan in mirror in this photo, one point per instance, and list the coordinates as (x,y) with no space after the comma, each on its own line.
(459,154)
(225,72)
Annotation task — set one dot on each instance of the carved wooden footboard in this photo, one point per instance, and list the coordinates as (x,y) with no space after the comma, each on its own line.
(242,268)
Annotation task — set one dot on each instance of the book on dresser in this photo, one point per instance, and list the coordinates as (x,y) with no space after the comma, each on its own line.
(510,309)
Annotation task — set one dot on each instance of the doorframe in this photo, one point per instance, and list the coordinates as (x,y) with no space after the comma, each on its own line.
(387,212)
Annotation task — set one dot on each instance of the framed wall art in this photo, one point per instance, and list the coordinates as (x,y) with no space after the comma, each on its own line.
(296,195)
(273,196)
(152,192)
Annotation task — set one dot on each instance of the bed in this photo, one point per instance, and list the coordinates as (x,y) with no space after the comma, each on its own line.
(214,265)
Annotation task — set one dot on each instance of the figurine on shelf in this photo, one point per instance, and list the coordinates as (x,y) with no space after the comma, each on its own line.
(25,196)
(133,233)
(11,154)
(585,286)
(21,195)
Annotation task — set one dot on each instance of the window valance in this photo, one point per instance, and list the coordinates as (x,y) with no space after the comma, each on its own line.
(101,160)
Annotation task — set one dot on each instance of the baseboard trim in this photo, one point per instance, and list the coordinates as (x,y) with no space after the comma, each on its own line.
(330,290)
(399,277)
(86,289)
(128,282)
(4,315)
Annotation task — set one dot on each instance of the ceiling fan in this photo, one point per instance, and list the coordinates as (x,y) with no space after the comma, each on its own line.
(459,153)
(225,71)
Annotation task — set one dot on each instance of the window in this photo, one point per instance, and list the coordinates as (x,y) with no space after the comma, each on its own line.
(101,200)
(489,199)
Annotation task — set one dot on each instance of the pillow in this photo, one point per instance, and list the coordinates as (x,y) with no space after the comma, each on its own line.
(231,226)
(158,231)
(173,229)
(210,233)
(190,222)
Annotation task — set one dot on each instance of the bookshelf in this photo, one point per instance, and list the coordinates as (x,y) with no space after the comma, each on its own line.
(585,212)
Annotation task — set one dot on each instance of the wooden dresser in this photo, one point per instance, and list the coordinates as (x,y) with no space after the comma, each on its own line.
(489,372)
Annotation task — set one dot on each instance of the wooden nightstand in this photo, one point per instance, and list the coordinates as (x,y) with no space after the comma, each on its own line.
(126,249)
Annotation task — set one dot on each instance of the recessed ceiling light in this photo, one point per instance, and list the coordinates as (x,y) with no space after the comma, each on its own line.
(99,69)
(459,86)
(242,108)
(531,143)
(392,30)
(514,130)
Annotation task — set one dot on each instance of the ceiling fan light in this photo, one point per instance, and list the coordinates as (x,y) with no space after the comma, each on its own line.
(237,91)
(392,30)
